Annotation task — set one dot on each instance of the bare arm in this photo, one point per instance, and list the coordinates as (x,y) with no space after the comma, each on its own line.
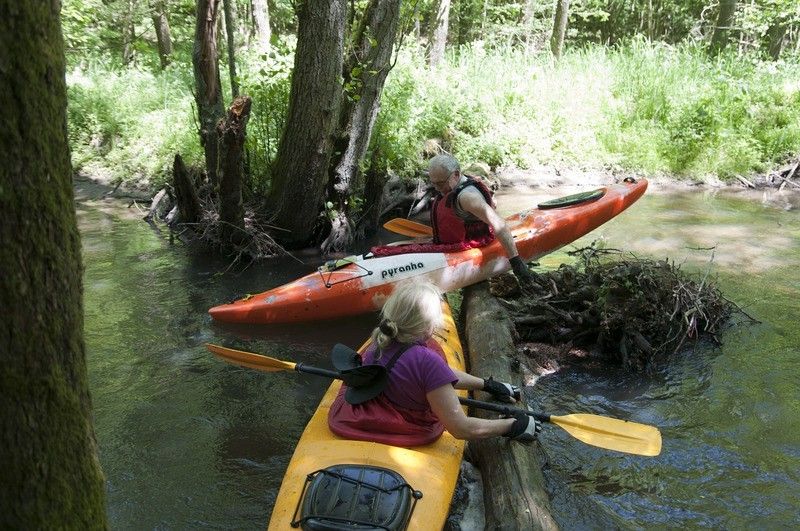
(444,404)
(467,381)
(471,200)
(502,391)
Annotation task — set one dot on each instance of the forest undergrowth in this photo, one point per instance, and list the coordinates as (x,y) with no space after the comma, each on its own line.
(647,108)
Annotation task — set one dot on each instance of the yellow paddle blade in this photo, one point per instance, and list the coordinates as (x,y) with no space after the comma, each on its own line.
(406,227)
(250,359)
(612,434)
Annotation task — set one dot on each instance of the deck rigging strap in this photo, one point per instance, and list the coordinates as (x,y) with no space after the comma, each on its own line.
(332,266)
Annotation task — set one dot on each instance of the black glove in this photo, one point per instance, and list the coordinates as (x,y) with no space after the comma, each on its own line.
(524,429)
(522,272)
(501,390)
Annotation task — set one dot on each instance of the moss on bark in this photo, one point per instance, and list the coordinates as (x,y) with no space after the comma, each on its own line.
(51,474)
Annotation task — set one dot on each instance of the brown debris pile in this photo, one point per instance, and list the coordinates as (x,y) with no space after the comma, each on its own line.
(628,310)
(244,244)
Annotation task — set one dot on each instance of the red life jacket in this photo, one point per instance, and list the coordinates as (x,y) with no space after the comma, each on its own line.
(449,227)
(381,420)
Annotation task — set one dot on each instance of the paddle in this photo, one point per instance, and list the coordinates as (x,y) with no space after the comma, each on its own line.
(595,430)
(603,432)
(406,227)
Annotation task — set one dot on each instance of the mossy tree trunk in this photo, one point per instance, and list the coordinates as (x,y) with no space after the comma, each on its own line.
(208,89)
(719,39)
(163,33)
(559,28)
(128,32)
(374,183)
(365,73)
(300,172)
(230,32)
(51,476)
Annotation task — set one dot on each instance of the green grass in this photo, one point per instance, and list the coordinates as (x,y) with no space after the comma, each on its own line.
(128,124)
(645,107)
(678,111)
(501,107)
(648,108)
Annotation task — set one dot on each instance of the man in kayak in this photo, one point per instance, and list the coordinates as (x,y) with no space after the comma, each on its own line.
(464,212)
(419,400)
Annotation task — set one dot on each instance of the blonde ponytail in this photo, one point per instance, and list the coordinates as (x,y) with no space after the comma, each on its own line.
(412,313)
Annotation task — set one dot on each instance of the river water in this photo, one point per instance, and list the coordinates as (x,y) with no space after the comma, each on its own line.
(187,441)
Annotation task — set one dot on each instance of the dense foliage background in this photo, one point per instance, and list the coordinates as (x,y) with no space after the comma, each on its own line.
(638,87)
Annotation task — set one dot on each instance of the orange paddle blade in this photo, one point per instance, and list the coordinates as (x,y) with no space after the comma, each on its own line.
(611,433)
(250,359)
(406,227)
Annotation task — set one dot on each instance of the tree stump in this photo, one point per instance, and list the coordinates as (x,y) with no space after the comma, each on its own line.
(189,210)
(513,482)
(231,132)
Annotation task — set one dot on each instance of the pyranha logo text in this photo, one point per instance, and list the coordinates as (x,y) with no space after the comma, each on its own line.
(402,269)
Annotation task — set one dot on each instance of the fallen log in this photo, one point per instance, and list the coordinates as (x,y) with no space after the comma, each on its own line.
(512,476)
(159,206)
(745,182)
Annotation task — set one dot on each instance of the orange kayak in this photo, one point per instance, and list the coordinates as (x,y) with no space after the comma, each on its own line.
(361,284)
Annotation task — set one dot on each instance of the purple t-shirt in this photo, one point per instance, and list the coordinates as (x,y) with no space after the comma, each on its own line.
(417,371)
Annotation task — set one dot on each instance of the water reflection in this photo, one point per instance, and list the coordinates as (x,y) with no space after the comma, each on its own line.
(188,441)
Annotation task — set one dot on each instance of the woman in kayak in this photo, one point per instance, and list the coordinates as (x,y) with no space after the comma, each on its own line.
(419,399)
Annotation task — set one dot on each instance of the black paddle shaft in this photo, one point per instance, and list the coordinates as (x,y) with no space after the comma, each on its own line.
(300,367)
(506,410)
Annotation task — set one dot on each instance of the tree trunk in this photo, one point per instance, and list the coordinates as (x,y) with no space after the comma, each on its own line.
(261,27)
(559,28)
(373,196)
(776,34)
(365,72)
(232,136)
(128,32)
(50,468)
(189,210)
(208,90)
(301,166)
(230,31)
(513,483)
(440,26)
(417,29)
(527,23)
(727,8)
(163,34)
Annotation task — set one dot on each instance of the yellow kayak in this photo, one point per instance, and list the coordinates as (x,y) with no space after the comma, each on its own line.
(337,483)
